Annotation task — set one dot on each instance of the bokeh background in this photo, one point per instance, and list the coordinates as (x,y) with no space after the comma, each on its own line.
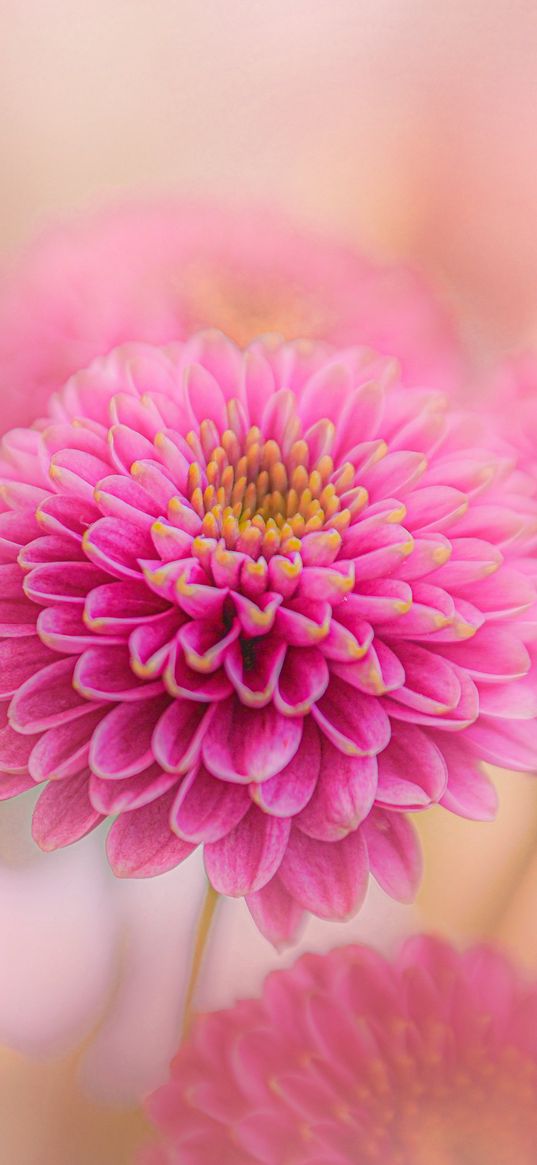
(405,129)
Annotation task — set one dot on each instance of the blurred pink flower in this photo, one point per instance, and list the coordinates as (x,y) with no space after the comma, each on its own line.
(511,395)
(348,1058)
(161,271)
(216,625)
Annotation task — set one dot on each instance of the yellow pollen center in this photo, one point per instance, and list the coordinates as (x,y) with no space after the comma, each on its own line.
(247,488)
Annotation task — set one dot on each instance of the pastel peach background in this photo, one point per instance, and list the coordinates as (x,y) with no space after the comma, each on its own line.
(409,130)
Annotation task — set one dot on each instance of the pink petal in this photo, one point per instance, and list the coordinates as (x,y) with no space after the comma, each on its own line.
(303,680)
(151,643)
(14,752)
(19,660)
(12,784)
(50,548)
(250,744)
(492,654)
(66,516)
(121,497)
(469,793)
(355,723)
(379,671)
(512,744)
(121,745)
(116,545)
(328,878)
(120,606)
(206,808)
(343,795)
(275,913)
(305,625)
(290,790)
(16,530)
(118,796)
(64,813)
(254,668)
(179,733)
(205,646)
(76,473)
(412,770)
(378,599)
(184,683)
(104,673)
(47,699)
(431,684)
(141,844)
(247,858)
(64,750)
(65,582)
(394,854)
(62,628)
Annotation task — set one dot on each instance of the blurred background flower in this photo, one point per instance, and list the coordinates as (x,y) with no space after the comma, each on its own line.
(407,131)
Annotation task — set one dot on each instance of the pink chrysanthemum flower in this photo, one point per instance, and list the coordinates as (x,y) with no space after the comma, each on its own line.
(512,398)
(352,1059)
(159,272)
(264,602)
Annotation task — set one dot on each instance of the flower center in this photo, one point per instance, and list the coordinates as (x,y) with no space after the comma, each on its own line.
(261,496)
(481,1113)
(245,307)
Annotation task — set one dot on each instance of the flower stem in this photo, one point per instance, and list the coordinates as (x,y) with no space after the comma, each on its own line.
(203,928)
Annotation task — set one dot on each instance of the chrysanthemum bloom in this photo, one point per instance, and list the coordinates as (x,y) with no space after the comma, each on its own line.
(159,272)
(264,602)
(512,398)
(348,1058)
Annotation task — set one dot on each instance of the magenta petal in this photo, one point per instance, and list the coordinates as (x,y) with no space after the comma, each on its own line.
(205,646)
(150,644)
(303,680)
(394,854)
(120,606)
(66,516)
(183,682)
(47,699)
(131,793)
(255,680)
(250,744)
(16,530)
(355,723)
(247,857)
(121,745)
(431,684)
(206,808)
(327,877)
(179,734)
(141,844)
(116,545)
(412,770)
(343,795)
(512,744)
(62,628)
(492,654)
(469,793)
(288,792)
(275,913)
(19,660)
(64,813)
(14,751)
(63,751)
(64,582)
(12,784)
(104,673)
(50,548)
